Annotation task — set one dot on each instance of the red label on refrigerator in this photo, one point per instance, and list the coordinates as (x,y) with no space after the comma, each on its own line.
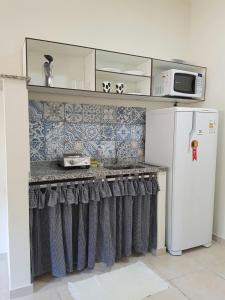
(194,146)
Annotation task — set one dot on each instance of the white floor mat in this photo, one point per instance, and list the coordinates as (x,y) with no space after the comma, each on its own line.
(134,282)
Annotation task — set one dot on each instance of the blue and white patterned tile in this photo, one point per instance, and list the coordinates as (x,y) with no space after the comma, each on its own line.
(123,150)
(138,115)
(123,133)
(54,111)
(74,113)
(138,149)
(54,140)
(108,114)
(37,129)
(37,149)
(124,115)
(36,110)
(82,131)
(91,132)
(93,149)
(73,132)
(108,132)
(108,149)
(75,147)
(91,113)
(137,132)
(37,140)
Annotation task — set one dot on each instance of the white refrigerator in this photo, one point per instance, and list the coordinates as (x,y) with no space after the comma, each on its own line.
(185,140)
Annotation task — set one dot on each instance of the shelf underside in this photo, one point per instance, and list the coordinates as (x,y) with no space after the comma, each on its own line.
(84,93)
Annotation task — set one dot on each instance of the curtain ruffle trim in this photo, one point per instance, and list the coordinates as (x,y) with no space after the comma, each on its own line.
(70,193)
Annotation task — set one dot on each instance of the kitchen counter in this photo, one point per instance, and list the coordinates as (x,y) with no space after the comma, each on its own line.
(46,171)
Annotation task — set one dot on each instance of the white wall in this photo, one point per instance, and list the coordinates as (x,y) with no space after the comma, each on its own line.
(207,47)
(155,28)
(3,175)
(15,128)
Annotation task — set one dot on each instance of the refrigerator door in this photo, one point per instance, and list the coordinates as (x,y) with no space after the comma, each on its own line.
(193,179)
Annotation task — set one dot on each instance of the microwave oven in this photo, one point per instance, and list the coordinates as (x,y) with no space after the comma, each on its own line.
(179,83)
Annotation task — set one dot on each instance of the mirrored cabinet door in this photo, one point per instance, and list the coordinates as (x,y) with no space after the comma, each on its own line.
(60,65)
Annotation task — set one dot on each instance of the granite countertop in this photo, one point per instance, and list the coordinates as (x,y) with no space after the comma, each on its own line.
(46,171)
(17,77)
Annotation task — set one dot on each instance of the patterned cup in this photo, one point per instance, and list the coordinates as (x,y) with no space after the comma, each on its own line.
(106,86)
(120,88)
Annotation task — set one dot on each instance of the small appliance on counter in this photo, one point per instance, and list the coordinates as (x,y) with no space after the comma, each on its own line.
(75,160)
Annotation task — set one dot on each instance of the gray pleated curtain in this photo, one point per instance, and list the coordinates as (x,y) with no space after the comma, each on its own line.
(74,225)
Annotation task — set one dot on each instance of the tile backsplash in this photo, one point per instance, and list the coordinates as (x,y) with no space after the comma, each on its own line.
(96,130)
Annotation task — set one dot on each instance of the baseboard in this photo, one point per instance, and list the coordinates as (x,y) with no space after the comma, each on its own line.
(218,239)
(159,252)
(23,291)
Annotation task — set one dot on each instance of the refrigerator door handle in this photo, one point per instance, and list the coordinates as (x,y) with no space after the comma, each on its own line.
(193,129)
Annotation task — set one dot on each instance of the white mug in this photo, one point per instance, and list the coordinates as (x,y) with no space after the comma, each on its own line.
(107,86)
(120,87)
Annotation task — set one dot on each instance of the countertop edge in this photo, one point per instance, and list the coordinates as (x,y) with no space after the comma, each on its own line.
(92,173)
(17,77)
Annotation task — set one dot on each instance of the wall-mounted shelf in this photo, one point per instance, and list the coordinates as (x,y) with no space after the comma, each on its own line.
(159,66)
(81,71)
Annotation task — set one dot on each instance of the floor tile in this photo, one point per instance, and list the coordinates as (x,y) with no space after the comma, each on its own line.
(207,257)
(202,285)
(197,274)
(46,295)
(170,294)
(219,269)
(171,267)
(47,282)
(64,293)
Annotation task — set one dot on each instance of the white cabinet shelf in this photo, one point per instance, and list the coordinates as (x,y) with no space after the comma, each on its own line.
(159,66)
(123,62)
(81,70)
(133,83)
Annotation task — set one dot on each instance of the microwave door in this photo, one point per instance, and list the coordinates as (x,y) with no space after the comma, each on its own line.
(184,84)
